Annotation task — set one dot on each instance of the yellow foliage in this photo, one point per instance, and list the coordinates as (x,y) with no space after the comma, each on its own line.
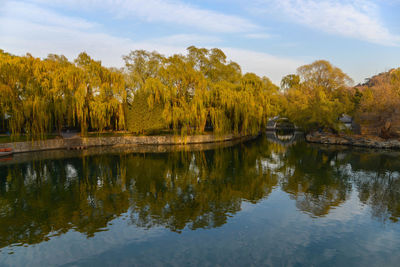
(40,96)
(202,89)
(317,96)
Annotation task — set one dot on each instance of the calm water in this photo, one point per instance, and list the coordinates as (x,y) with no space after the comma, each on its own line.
(257,203)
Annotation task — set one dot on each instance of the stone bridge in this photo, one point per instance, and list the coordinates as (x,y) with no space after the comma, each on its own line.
(286,139)
(274,122)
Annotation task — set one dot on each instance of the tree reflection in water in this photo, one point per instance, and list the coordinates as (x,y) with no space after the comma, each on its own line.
(178,190)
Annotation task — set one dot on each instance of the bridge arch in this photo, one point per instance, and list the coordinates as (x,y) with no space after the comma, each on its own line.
(285,139)
(273,122)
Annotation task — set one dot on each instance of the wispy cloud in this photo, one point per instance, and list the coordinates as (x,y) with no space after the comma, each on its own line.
(258,36)
(165,11)
(188,39)
(350,18)
(263,64)
(36,14)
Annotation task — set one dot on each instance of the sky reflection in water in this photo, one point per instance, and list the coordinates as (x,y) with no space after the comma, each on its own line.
(256,203)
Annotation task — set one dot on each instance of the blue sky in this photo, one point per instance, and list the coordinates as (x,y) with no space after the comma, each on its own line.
(268,37)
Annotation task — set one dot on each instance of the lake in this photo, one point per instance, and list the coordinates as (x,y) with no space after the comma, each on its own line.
(275,200)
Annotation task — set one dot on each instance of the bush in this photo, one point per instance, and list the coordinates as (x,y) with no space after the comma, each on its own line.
(141,118)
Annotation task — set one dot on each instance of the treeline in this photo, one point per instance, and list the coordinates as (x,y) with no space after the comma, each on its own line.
(319,94)
(378,104)
(184,94)
(197,91)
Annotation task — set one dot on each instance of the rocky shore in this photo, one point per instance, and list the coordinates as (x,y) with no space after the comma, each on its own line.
(353,140)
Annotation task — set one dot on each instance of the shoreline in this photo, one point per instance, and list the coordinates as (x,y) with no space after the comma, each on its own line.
(81,143)
(353,140)
(118,149)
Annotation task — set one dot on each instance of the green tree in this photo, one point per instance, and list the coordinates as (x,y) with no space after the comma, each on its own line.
(320,98)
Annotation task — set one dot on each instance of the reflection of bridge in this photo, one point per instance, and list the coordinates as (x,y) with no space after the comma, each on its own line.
(279,122)
(285,139)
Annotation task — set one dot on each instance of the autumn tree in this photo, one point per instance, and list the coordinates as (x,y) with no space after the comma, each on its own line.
(319,97)
(290,81)
(379,106)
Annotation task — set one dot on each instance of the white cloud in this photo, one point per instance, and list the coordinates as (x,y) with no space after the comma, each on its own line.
(40,40)
(39,15)
(351,18)
(166,11)
(258,36)
(187,39)
(263,64)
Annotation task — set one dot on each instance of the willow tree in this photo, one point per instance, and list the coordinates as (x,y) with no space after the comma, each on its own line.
(10,105)
(41,96)
(214,65)
(143,90)
(100,96)
(140,66)
(290,81)
(183,87)
(60,94)
(24,93)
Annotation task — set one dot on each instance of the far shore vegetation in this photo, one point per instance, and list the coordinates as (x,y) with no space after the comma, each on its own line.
(196,93)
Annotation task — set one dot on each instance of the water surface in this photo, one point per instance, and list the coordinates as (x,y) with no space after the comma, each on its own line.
(272,201)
